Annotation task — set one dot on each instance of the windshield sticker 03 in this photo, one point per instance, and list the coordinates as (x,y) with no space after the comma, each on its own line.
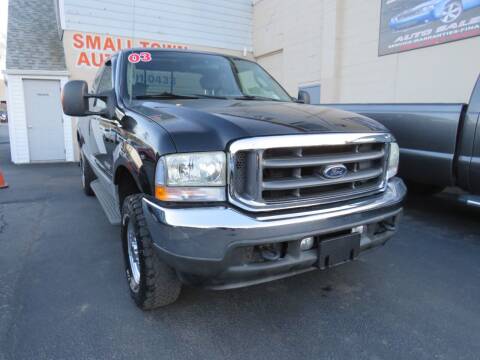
(144,56)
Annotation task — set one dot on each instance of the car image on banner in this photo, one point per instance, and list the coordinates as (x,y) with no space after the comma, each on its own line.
(412,24)
(446,11)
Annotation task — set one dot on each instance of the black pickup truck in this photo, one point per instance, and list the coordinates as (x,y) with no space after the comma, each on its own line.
(218,178)
(439,143)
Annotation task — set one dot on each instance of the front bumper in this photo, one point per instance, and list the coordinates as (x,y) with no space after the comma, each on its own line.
(216,247)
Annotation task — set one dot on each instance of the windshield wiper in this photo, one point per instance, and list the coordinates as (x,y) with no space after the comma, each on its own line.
(165,95)
(210,96)
(254,97)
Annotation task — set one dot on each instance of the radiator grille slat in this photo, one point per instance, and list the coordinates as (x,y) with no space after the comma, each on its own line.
(313,181)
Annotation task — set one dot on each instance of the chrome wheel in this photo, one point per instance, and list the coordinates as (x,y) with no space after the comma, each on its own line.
(133,257)
(451,12)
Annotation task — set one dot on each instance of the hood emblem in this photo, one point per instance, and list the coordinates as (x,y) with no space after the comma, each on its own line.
(336,171)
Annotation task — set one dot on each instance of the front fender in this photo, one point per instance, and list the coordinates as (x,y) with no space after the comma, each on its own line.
(140,164)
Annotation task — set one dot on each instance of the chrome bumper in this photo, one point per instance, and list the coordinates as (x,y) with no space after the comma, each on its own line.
(200,241)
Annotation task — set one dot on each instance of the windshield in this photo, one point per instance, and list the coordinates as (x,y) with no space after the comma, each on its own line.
(168,74)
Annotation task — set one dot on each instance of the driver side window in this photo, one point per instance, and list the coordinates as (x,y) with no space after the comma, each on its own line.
(105,83)
(96,81)
(94,90)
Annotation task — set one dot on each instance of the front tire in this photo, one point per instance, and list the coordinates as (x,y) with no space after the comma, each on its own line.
(152,283)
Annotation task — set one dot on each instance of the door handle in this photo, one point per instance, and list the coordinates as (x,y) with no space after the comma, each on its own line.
(30,127)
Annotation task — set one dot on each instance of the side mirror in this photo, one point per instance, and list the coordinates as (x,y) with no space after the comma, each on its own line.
(75,99)
(303,97)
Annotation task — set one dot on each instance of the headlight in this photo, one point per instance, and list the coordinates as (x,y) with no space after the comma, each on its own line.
(196,169)
(191,177)
(393,159)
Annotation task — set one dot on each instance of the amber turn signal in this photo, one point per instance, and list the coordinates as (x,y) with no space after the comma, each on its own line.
(188,193)
(161,192)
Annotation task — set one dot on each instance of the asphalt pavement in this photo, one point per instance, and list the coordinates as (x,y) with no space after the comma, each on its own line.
(63,294)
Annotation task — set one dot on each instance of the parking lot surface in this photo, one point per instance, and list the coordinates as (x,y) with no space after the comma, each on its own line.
(63,294)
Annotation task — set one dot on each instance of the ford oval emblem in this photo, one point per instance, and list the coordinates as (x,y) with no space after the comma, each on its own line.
(335,171)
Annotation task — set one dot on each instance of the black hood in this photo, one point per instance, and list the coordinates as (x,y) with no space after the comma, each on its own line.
(206,124)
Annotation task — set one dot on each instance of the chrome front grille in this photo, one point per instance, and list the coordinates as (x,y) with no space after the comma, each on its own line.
(289,171)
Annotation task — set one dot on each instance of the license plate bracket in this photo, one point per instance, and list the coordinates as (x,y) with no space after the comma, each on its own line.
(338,250)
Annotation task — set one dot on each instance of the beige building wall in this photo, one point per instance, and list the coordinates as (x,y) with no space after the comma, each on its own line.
(335,43)
(287,40)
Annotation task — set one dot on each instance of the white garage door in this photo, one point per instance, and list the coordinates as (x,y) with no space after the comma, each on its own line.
(44,120)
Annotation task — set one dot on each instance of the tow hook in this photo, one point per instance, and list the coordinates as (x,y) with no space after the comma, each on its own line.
(389,226)
(269,252)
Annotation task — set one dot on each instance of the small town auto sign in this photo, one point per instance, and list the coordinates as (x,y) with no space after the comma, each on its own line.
(92,50)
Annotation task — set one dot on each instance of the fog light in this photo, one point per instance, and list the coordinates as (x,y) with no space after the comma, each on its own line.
(307,243)
(359,229)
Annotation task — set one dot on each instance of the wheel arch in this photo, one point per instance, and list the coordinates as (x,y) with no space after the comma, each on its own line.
(126,183)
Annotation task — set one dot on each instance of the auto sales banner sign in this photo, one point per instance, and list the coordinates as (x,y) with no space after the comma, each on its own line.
(413,24)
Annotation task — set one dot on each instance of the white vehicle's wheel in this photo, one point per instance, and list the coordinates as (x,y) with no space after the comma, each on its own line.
(451,11)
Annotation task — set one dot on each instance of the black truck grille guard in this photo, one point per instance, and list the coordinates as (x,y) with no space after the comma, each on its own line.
(279,172)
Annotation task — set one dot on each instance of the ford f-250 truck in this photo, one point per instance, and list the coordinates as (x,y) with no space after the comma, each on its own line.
(218,178)
(439,143)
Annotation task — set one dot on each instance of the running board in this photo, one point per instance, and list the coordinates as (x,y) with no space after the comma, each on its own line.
(109,204)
